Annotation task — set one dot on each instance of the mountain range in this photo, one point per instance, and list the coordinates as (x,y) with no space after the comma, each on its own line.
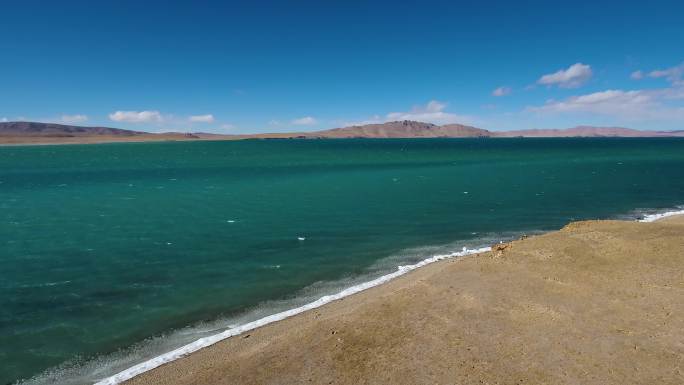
(412,129)
(35,132)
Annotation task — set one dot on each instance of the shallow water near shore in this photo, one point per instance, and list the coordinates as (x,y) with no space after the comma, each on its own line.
(107,246)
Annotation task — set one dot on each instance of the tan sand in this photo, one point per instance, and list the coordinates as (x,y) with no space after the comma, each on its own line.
(599,302)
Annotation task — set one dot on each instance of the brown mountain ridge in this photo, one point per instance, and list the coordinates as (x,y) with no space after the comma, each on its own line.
(45,133)
(412,129)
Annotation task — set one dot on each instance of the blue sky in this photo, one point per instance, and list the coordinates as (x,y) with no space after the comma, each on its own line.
(238,67)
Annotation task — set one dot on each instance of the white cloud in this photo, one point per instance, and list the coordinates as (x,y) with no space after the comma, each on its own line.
(208,118)
(227,126)
(433,112)
(64,119)
(502,91)
(71,119)
(672,74)
(655,104)
(609,101)
(305,121)
(375,119)
(136,116)
(637,75)
(274,122)
(572,77)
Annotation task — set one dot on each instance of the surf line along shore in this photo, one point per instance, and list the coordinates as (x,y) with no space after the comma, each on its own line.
(597,301)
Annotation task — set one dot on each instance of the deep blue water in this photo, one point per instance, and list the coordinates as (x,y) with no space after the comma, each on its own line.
(104,246)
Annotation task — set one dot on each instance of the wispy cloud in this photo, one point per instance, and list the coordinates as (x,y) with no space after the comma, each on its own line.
(305,121)
(572,77)
(63,119)
(73,119)
(641,105)
(672,74)
(502,91)
(137,116)
(375,119)
(432,112)
(208,118)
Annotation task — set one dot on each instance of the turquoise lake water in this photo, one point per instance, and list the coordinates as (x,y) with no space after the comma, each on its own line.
(114,253)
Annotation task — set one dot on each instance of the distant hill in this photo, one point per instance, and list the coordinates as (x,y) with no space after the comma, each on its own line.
(584,131)
(59,130)
(401,129)
(33,132)
(47,133)
(412,129)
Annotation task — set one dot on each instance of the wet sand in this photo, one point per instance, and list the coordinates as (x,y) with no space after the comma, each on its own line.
(598,302)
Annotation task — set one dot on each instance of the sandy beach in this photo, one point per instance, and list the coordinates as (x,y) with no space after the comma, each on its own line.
(353,192)
(598,302)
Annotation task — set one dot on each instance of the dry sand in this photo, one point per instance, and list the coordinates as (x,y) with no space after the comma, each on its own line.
(598,302)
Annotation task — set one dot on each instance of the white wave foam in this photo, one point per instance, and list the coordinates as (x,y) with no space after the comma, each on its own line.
(657,216)
(210,340)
